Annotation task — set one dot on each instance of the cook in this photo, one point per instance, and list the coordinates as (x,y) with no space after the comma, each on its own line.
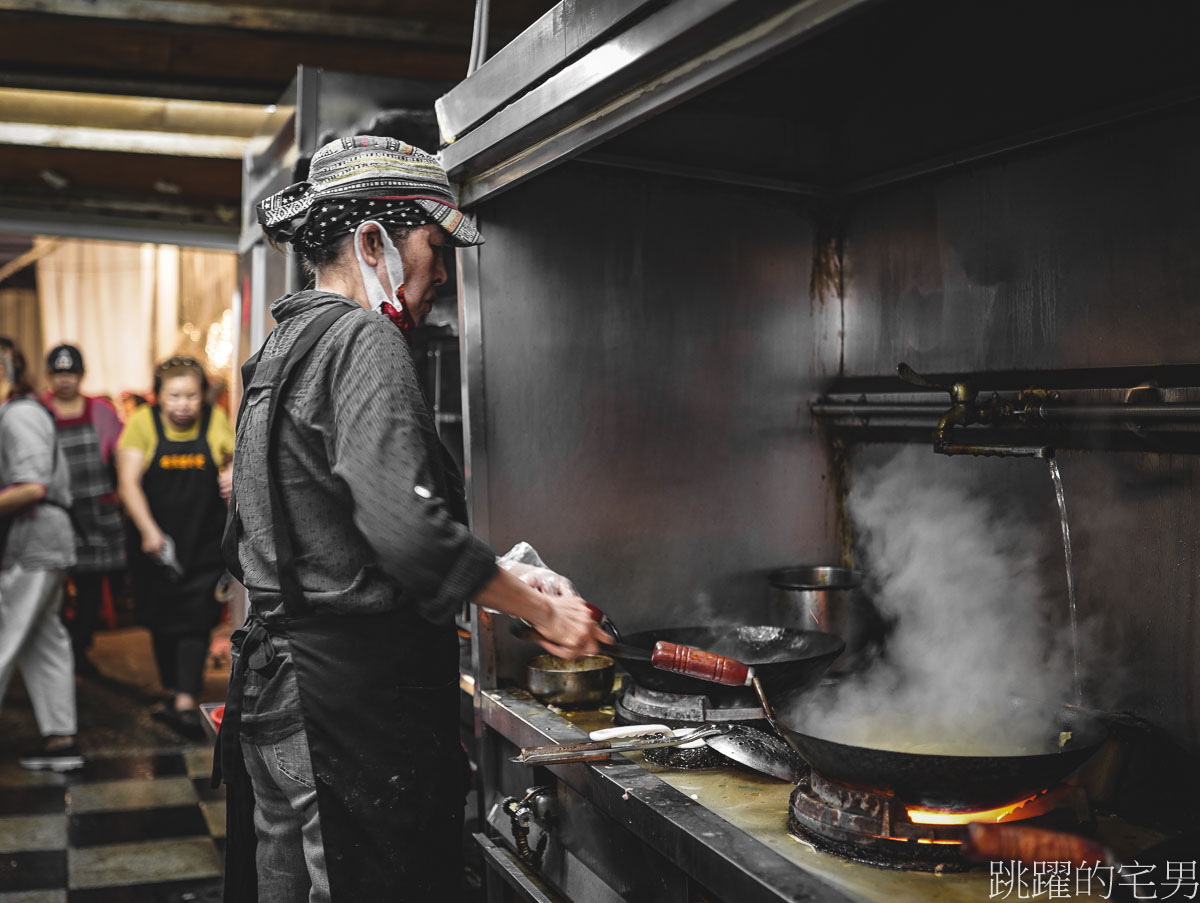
(340,737)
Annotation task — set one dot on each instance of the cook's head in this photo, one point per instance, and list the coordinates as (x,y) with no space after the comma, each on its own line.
(64,371)
(363,196)
(180,384)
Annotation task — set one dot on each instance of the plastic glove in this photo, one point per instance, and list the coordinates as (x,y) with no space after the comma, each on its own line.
(524,563)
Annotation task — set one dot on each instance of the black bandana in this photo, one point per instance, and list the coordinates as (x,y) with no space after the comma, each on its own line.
(330,219)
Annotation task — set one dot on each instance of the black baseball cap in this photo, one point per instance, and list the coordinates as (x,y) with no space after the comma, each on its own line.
(64,359)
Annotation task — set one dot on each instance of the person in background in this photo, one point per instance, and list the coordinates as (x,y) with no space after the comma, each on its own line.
(130,402)
(88,429)
(173,469)
(37,549)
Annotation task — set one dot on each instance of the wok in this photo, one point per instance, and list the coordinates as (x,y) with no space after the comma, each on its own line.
(961,783)
(785,660)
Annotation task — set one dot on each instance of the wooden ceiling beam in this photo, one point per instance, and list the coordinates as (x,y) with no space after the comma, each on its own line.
(104,111)
(97,83)
(53,51)
(127,141)
(188,13)
(194,178)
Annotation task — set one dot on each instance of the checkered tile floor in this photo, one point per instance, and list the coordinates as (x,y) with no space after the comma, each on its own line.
(124,829)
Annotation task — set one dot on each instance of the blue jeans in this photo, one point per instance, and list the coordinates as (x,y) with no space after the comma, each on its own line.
(291,855)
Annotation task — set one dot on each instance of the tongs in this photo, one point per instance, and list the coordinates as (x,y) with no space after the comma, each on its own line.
(673,657)
(599,750)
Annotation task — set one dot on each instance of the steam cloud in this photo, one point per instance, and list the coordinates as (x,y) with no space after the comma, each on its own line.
(958,574)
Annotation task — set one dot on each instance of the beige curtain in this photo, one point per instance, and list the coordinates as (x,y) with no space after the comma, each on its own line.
(21,321)
(128,306)
(101,296)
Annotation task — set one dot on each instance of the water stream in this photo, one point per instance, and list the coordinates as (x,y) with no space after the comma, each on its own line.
(1066,533)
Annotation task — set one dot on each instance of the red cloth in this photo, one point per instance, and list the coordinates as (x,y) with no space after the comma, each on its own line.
(402,318)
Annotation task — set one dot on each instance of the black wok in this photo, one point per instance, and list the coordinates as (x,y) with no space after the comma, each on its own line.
(785,660)
(956,782)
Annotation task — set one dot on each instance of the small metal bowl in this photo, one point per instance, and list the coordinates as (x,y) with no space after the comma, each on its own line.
(583,683)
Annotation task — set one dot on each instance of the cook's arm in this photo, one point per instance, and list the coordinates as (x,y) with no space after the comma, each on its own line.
(564,622)
(129,485)
(380,447)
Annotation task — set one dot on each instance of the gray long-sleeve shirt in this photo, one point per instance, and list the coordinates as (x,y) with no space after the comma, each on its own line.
(41,537)
(375,507)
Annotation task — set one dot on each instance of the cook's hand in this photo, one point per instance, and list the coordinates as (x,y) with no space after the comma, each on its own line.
(225,482)
(544,580)
(567,628)
(152,541)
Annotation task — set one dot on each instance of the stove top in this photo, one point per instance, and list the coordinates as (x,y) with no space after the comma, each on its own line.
(637,705)
(884,831)
(745,815)
(760,806)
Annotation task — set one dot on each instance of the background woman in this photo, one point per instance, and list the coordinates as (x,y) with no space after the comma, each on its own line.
(173,470)
(87,434)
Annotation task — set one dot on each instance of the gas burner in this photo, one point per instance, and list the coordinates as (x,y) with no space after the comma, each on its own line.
(884,831)
(637,705)
(685,758)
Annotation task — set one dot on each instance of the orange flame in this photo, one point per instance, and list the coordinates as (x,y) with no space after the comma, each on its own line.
(940,817)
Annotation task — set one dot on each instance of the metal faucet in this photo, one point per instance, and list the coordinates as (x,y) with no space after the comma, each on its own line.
(965,409)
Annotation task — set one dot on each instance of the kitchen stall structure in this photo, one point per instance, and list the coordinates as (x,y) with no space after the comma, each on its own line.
(714,230)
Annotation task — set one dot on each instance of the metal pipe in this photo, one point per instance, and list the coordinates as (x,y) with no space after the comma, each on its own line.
(876,409)
(1164,412)
(999,451)
(479,36)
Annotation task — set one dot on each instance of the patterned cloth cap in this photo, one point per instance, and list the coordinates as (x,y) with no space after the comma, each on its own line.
(367,167)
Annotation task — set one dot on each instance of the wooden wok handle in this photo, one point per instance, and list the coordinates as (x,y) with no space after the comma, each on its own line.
(697,663)
(1029,845)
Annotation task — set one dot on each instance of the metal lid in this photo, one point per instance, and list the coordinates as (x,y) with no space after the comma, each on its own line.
(811,577)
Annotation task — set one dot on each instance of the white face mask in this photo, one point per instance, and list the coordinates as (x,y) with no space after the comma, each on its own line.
(377,292)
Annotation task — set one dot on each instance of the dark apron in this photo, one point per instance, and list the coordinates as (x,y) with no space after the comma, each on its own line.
(379,695)
(182,491)
(100,531)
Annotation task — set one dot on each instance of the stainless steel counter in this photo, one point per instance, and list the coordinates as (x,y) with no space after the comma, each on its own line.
(724,828)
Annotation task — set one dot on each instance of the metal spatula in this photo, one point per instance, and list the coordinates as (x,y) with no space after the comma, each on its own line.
(598,750)
(759,751)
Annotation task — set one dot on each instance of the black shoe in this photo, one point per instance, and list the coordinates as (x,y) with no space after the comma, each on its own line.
(187,723)
(190,724)
(61,758)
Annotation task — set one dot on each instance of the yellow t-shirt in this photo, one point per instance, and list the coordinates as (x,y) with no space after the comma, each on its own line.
(139,434)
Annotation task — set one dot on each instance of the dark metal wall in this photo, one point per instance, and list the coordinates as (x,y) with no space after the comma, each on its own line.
(645,392)
(1079,256)
(649,350)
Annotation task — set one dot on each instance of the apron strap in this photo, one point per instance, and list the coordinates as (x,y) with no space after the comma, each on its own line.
(273,374)
(285,558)
(253,639)
(158,425)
